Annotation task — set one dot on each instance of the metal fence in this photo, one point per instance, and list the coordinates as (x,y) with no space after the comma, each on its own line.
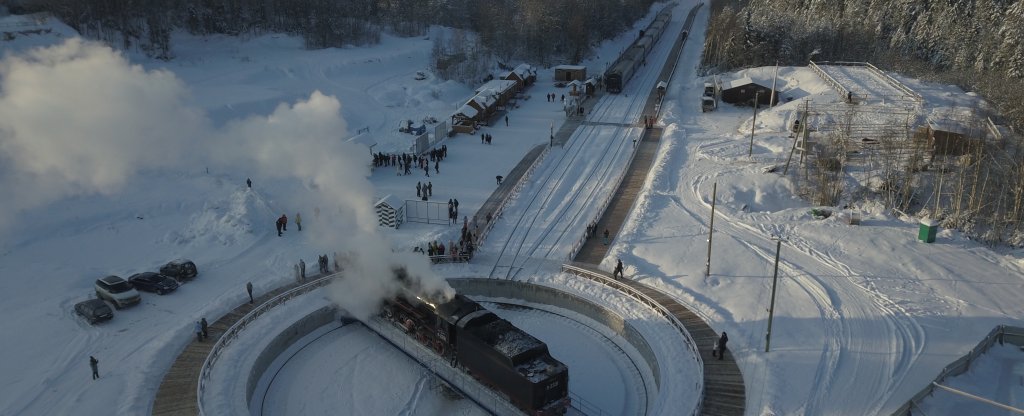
(657,307)
(843,92)
(479,218)
(427,212)
(1000,334)
(232,333)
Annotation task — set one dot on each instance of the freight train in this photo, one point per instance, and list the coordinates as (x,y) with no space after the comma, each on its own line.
(635,56)
(492,350)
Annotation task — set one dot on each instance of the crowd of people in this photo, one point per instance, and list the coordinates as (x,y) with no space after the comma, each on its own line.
(404,162)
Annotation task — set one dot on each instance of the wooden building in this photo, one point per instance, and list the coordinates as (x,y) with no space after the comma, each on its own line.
(524,75)
(590,85)
(570,73)
(476,111)
(952,137)
(743,91)
(575,88)
(502,90)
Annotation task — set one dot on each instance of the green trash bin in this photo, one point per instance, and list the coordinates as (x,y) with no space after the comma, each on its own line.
(927,231)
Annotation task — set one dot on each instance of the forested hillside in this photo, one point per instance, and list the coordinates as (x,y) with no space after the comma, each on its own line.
(538,31)
(977,44)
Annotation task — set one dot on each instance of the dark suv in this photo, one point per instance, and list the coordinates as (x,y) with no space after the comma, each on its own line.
(153,282)
(180,269)
(94,310)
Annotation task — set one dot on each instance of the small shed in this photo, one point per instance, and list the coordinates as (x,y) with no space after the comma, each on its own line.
(464,119)
(390,211)
(743,91)
(575,88)
(591,86)
(570,73)
(949,135)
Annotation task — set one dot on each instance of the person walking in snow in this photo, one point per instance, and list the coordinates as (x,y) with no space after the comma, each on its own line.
(284,222)
(418,186)
(605,236)
(199,331)
(298,221)
(95,365)
(248,182)
(302,269)
(720,346)
(437,166)
(204,327)
(506,120)
(279,225)
(248,288)
(617,274)
(430,189)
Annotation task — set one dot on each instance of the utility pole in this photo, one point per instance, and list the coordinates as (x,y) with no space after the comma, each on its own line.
(771,309)
(771,102)
(711,229)
(757,96)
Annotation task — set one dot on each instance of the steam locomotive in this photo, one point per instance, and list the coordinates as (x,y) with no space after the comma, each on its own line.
(623,69)
(492,350)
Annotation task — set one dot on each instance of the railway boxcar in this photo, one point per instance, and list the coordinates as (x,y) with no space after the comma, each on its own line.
(489,348)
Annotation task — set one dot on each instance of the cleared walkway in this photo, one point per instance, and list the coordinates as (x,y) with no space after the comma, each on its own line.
(177,393)
(724,391)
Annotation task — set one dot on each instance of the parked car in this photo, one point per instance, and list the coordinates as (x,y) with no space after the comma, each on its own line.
(117,291)
(153,282)
(94,310)
(179,269)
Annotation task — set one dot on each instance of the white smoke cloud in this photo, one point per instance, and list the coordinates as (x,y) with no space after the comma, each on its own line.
(78,119)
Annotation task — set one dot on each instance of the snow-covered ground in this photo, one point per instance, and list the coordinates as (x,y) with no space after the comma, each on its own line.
(997,375)
(115,164)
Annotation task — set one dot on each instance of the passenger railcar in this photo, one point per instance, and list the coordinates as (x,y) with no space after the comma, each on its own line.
(489,348)
(622,70)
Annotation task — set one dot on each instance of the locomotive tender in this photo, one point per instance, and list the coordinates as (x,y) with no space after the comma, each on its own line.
(492,350)
(635,55)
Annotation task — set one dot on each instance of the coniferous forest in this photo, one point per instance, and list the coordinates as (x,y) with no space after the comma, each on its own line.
(539,31)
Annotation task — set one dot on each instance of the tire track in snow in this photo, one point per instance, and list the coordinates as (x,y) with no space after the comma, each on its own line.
(852,324)
(907,337)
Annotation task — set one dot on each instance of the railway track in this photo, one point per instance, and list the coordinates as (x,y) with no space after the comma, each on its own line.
(618,113)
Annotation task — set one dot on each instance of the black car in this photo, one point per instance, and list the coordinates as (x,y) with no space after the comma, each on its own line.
(180,269)
(94,310)
(153,282)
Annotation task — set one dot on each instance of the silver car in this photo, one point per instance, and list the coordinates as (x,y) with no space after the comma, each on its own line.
(117,291)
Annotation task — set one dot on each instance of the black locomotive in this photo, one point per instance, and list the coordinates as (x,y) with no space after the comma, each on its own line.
(636,54)
(491,349)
